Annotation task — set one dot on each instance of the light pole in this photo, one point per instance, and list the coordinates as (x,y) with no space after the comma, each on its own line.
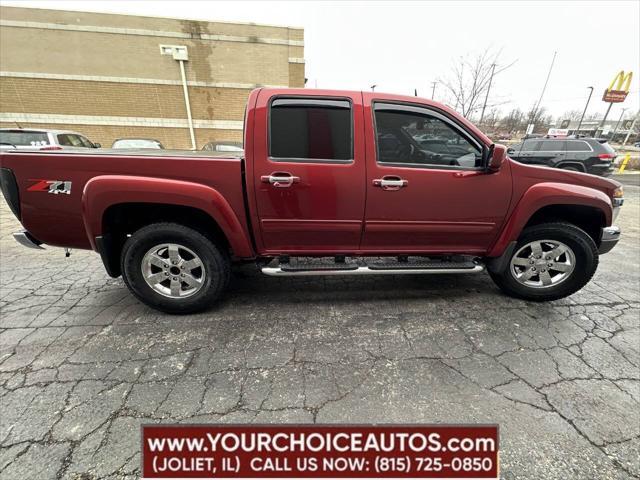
(373,87)
(615,130)
(577,132)
(180,54)
(433,89)
(633,124)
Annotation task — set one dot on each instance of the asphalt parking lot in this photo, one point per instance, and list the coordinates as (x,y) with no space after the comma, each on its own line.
(82,364)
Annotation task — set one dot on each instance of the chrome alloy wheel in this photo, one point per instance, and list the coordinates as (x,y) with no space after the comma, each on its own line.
(542,263)
(173,270)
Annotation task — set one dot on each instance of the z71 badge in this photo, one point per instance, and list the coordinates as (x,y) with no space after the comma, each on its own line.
(51,186)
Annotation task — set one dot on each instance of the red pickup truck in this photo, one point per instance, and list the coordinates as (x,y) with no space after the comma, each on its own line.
(331,183)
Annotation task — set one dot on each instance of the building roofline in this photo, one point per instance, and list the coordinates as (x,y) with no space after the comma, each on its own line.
(228,22)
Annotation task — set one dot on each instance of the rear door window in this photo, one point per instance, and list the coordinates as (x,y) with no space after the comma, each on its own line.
(310,130)
(578,146)
(552,146)
(24,138)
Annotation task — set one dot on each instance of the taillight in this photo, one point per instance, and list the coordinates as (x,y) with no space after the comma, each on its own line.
(52,147)
(605,156)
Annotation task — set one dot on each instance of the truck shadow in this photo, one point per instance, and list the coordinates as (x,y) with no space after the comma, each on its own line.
(249,285)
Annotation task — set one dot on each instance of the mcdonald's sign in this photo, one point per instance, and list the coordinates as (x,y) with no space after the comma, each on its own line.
(619,88)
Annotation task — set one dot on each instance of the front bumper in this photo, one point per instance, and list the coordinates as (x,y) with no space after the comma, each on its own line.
(610,237)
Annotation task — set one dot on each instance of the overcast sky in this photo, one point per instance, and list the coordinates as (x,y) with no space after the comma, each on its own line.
(405,45)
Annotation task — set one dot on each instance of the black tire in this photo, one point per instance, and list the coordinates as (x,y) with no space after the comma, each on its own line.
(216,266)
(586,262)
(572,169)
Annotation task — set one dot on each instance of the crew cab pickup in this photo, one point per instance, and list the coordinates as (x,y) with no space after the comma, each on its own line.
(330,183)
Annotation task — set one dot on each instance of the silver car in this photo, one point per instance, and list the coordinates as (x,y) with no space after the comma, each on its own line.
(43,139)
(136,143)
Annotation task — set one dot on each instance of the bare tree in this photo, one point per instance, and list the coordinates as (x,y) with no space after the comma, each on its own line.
(469,82)
(514,121)
(571,115)
(540,118)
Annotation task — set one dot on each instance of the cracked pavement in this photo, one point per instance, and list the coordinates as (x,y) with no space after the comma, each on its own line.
(83,364)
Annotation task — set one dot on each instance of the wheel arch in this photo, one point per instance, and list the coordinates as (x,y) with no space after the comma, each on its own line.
(114,206)
(585,207)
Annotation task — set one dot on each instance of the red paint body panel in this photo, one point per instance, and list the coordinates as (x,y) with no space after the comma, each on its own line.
(105,191)
(321,212)
(333,208)
(60,220)
(440,210)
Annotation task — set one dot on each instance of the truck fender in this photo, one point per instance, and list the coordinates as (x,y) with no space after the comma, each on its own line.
(106,190)
(543,195)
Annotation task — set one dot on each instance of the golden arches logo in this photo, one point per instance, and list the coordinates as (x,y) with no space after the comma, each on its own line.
(619,88)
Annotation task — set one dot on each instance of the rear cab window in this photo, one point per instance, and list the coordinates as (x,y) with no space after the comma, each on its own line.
(311,130)
(24,138)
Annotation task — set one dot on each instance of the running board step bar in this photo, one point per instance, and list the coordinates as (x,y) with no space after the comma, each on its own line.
(365,266)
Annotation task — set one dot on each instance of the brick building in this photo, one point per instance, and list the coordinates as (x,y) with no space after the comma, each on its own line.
(106,75)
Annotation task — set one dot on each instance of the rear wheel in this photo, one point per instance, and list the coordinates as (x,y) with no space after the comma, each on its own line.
(571,169)
(550,261)
(174,268)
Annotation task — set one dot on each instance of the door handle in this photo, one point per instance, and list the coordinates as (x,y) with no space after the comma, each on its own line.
(280,179)
(467,173)
(390,183)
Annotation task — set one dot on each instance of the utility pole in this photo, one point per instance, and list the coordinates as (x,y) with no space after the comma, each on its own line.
(486,97)
(433,89)
(577,132)
(613,137)
(415,92)
(633,124)
(544,88)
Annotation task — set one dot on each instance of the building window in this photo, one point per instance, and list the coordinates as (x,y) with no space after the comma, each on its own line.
(310,130)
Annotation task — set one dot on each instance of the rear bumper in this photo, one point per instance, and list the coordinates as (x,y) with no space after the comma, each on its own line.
(602,169)
(610,237)
(25,239)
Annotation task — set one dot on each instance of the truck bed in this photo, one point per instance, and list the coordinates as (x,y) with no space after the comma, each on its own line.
(58,220)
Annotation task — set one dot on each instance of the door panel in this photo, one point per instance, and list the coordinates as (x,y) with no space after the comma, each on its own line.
(440,207)
(309,189)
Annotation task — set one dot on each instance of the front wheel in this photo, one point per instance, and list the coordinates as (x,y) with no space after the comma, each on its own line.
(550,261)
(174,268)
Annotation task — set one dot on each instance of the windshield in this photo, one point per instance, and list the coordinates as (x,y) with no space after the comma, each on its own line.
(21,138)
(136,143)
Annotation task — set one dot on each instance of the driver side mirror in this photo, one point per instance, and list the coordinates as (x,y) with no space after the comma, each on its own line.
(497,158)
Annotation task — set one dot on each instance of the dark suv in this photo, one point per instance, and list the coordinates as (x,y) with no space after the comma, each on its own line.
(589,155)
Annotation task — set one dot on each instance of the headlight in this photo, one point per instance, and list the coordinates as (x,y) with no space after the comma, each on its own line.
(618,192)
(618,197)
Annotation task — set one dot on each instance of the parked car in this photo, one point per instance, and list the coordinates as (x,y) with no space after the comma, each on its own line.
(40,139)
(223,147)
(137,143)
(588,155)
(318,194)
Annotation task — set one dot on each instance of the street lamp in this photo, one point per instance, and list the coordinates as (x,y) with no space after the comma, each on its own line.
(577,132)
(373,87)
